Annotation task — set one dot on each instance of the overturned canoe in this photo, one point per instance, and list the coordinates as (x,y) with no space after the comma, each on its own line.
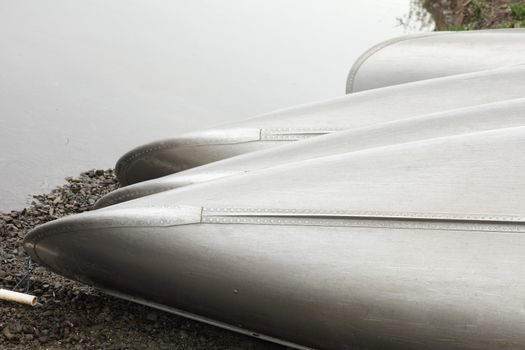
(352,111)
(466,120)
(438,54)
(413,246)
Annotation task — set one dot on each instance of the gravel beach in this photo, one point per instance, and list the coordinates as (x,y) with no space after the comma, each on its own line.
(75,316)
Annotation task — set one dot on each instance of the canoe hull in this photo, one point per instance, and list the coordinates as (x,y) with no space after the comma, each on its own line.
(484,117)
(353,111)
(433,55)
(359,284)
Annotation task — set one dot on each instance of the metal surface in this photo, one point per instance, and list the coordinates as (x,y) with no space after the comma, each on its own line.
(483,117)
(412,246)
(431,55)
(352,111)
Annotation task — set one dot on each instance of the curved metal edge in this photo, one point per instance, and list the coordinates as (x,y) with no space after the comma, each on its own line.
(166,183)
(213,138)
(125,194)
(209,137)
(350,80)
(121,217)
(204,320)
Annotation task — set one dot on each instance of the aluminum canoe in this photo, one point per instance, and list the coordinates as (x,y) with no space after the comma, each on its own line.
(465,120)
(286,126)
(431,55)
(412,246)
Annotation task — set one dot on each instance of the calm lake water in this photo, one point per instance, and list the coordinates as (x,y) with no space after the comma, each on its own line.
(83,82)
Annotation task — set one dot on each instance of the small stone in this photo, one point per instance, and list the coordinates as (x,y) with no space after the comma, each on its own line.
(7,333)
(42,339)
(183,335)
(152,316)
(28,330)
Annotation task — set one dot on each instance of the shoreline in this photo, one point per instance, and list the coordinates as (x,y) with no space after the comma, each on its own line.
(71,315)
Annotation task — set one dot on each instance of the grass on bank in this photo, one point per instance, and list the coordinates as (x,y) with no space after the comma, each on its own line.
(480,14)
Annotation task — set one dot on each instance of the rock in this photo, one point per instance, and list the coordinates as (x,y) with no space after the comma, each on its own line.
(183,334)
(43,339)
(6,332)
(152,345)
(152,316)
(15,327)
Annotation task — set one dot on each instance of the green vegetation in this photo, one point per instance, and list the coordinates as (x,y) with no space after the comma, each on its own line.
(458,15)
(517,20)
(518,11)
(476,12)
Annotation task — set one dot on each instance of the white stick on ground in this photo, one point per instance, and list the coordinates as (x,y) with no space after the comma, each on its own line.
(21,298)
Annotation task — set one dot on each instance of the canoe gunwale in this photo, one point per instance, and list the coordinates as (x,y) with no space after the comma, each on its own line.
(350,80)
(217,138)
